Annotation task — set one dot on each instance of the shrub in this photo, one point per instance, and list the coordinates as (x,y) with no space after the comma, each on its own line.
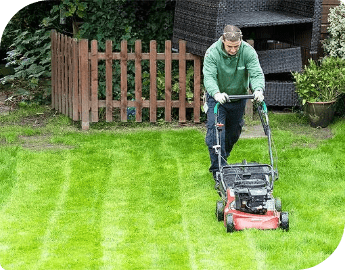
(335,45)
(321,81)
(30,58)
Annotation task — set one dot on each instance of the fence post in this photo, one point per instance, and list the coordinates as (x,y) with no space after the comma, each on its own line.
(182,81)
(123,64)
(84,83)
(153,81)
(94,80)
(138,82)
(168,56)
(109,80)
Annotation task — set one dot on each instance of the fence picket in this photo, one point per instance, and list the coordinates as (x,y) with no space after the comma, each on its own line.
(59,66)
(75,78)
(75,68)
(123,66)
(70,78)
(168,66)
(153,81)
(84,83)
(138,82)
(65,55)
(109,80)
(53,65)
(94,80)
(182,81)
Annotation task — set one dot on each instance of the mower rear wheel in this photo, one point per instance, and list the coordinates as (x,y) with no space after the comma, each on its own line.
(284,221)
(230,226)
(220,211)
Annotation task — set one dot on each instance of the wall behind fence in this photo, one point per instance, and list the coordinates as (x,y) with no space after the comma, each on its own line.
(75,80)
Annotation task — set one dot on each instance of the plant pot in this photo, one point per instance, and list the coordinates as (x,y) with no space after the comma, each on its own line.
(320,114)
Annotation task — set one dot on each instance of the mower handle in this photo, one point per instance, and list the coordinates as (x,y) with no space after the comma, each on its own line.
(229,98)
(237,97)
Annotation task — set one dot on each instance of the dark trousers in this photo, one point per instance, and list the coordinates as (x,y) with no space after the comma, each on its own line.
(231,115)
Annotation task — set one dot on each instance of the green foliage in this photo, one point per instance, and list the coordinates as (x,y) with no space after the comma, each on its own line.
(102,20)
(175,89)
(72,8)
(128,20)
(31,61)
(335,44)
(4,71)
(30,53)
(189,84)
(71,11)
(30,91)
(27,19)
(321,81)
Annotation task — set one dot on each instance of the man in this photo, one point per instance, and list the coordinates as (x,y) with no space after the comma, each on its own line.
(230,66)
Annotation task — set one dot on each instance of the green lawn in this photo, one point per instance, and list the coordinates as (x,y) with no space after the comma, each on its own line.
(142,198)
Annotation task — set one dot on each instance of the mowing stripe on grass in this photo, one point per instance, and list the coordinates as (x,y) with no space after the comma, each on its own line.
(143,223)
(78,229)
(259,256)
(8,166)
(189,244)
(25,214)
(204,236)
(48,246)
(115,200)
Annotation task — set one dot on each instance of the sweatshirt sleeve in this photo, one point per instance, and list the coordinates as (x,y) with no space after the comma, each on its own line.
(256,75)
(210,74)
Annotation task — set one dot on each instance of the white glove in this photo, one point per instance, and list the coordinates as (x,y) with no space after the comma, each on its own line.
(220,97)
(259,95)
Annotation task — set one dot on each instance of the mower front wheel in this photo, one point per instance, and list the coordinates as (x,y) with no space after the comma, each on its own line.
(220,211)
(230,226)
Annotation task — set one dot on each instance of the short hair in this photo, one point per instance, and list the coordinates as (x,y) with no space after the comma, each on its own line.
(232,33)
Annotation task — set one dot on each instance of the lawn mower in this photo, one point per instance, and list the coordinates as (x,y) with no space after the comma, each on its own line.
(246,189)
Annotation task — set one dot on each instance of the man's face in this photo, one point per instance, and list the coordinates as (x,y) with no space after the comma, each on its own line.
(231,47)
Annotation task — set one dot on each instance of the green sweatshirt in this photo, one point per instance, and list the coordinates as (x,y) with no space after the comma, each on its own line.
(232,74)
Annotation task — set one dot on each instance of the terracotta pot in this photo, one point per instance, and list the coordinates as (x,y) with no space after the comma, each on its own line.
(320,114)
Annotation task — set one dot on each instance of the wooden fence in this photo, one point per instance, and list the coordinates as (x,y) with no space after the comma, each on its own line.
(75,80)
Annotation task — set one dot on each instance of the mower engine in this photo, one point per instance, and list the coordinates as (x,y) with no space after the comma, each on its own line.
(251,200)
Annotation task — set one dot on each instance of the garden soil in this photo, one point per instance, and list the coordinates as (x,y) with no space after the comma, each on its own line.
(3,108)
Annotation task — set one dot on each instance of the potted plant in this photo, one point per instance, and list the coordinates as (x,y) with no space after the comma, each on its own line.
(318,86)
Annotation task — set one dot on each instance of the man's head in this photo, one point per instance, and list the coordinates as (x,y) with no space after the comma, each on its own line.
(232,39)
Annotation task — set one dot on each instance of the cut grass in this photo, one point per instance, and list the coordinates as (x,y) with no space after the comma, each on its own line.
(144,199)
